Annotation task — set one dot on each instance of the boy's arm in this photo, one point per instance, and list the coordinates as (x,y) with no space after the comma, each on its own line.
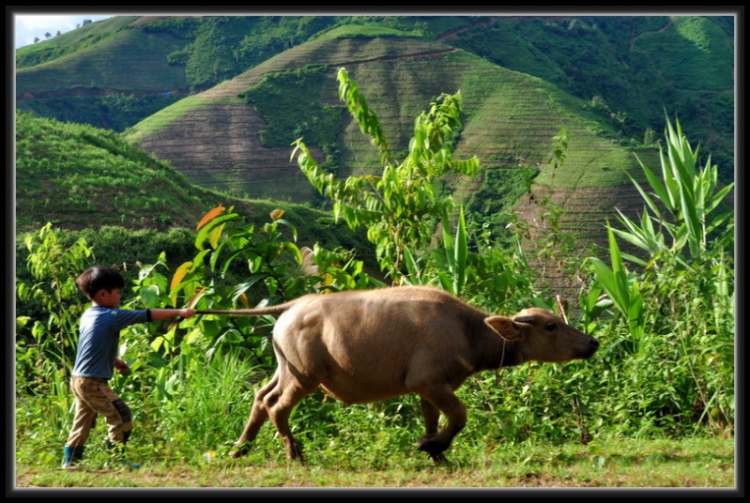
(165,314)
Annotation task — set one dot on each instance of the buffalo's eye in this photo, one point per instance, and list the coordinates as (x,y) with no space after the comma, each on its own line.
(550,326)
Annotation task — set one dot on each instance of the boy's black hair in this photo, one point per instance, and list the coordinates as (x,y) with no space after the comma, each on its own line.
(99,278)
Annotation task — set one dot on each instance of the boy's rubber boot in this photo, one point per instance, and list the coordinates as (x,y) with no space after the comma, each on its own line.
(71,457)
(117,453)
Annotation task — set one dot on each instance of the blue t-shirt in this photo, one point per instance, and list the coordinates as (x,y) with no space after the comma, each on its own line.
(99,335)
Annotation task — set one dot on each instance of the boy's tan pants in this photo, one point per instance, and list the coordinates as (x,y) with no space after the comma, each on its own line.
(93,397)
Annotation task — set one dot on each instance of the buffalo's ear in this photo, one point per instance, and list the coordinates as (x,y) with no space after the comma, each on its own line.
(505,327)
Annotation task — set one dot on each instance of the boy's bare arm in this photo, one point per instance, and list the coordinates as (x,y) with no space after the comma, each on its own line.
(165,314)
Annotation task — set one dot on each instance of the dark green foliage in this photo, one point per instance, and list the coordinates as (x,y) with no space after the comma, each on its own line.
(272,35)
(228,45)
(116,112)
(638,65)
(211,58)
(291,115)
(491,205)
(180,27)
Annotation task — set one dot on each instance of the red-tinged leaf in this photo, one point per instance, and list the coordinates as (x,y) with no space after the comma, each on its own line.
(276,214)
(211,215)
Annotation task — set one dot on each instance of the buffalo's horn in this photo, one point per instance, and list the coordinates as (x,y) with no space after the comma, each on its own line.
(525,319)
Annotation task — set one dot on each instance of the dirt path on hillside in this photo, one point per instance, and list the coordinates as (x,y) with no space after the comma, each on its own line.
(634,37)
(451,34)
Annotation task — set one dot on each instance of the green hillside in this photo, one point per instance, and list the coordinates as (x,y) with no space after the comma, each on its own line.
(75,175)
(80,177)
(128,60)
(114,73)
(230,137)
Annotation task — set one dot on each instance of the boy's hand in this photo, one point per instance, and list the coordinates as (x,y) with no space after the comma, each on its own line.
(187,313)
(121,365)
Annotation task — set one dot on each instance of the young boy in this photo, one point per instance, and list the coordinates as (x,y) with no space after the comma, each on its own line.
(97,356)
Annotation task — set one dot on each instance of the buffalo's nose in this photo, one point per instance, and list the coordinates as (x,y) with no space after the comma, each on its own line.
(593,345)
(590,348)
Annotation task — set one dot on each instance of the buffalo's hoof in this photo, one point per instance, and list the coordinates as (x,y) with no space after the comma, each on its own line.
(294,451)
(239,451)
(434,448)
(439,458)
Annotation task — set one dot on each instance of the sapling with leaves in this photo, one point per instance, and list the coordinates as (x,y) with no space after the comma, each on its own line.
(400,207)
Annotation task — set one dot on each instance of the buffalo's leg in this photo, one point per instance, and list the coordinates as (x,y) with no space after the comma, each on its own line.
(431,415)
(442,398)
(258,416)
(279,404)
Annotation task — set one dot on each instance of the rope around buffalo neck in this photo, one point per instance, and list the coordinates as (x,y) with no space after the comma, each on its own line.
(497,370)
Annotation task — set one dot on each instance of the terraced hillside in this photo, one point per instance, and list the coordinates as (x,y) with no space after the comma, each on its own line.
(510,119)
(212,137)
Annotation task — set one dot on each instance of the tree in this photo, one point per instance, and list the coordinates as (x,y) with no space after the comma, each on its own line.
(400,207)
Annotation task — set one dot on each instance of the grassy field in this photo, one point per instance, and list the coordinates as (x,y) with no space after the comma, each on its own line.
(616,463)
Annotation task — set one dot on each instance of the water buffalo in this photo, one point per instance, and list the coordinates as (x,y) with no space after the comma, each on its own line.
(365,346)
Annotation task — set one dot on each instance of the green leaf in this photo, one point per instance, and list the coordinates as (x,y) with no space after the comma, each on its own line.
(205,232)
(461,253)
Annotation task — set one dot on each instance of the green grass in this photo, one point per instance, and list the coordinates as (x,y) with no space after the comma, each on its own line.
(167,116)
(368,30)
(608,463)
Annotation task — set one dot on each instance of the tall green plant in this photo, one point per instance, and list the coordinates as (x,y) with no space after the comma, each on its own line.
(400,207)
(688,194)
(455,257)
(55,267)
(448,265)
(680,306)
(239,264)
(622,287)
